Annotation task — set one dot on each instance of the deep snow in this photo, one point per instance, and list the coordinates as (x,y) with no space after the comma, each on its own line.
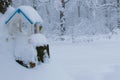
(12,45)
(10,70)
(97,60)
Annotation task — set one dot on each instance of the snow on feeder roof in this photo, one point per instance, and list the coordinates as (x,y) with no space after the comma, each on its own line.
(28,12)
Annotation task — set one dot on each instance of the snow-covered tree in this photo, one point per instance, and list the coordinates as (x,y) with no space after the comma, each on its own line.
(61,7)
(76,17)
(4,4)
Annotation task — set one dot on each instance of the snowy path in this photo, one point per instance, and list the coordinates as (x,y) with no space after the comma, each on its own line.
(92,61)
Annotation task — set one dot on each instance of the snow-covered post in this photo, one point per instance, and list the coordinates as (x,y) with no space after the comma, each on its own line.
(20,25)
(39,41)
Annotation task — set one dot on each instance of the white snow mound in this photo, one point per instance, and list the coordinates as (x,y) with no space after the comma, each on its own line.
(24,50)
(38,40)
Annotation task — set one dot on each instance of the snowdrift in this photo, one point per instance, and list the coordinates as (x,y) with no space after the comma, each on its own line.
(10,70)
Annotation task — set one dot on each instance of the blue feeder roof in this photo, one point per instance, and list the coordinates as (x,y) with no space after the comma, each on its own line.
(28,12)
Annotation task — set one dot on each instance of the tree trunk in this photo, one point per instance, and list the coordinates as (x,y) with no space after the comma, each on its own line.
(79,9)
(48,14)
(62,19)
(105,13)
(118,13)
(35,4)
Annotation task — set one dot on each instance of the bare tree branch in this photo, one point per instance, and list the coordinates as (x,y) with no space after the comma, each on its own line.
(44,1)
(107,5)
(67,1)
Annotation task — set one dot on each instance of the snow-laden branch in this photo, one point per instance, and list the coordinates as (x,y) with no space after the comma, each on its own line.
(107,5)
(67,1)
(44,1)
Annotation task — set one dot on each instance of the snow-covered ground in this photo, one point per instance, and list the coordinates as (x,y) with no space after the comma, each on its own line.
(93,60)
(99,60)
(12,45)
(10,70)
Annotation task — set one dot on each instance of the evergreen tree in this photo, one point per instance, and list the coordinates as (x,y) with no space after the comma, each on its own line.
(4,4)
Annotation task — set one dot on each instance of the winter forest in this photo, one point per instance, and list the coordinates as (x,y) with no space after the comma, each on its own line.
(59,39)
(75,18)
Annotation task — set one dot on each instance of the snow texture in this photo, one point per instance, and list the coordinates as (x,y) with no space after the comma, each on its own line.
(10,70)
(31,13)
(24,50)
(38,40)
(4,45)
(98,60)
